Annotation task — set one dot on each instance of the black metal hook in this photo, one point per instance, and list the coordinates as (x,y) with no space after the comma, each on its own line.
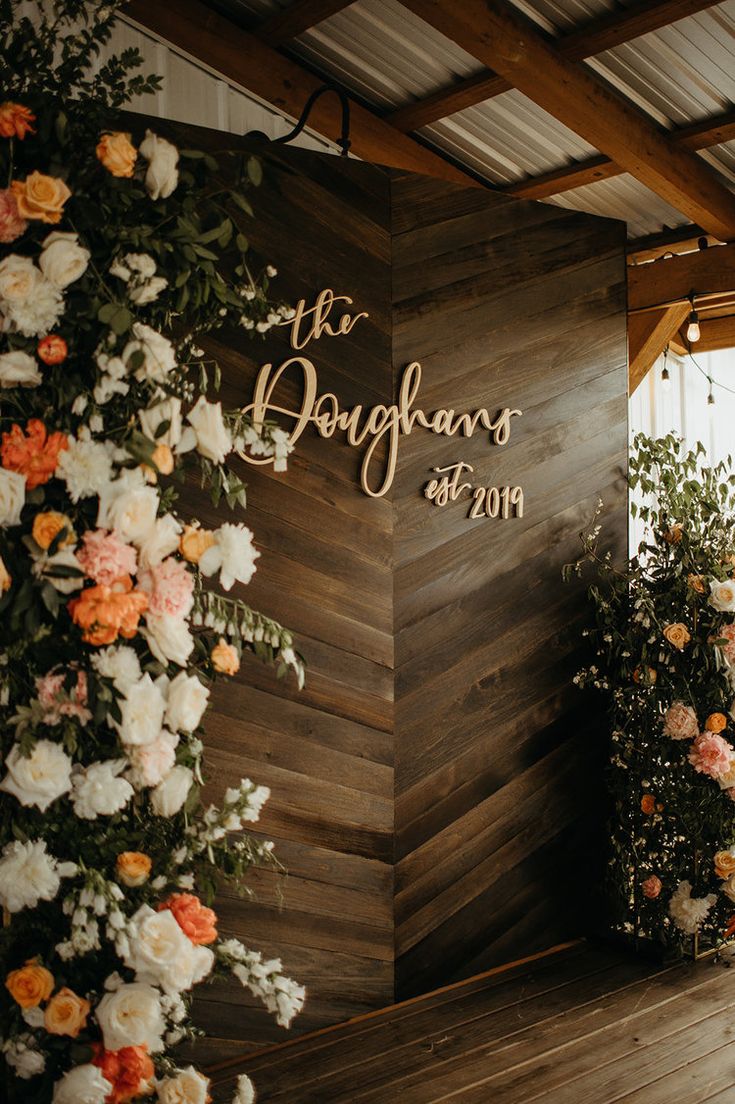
(344,139)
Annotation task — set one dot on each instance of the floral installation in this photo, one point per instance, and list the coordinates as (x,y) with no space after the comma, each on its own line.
(664,644)
(118,254)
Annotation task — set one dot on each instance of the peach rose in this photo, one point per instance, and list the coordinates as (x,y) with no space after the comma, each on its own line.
(680,722)
(5,578)
(117,153)
(197,922)
(16,120)
(41,197)
(696,583)
(52,349)
(724,863)
(678,635)
(30,985)
(48,525)
(195,542)
(66,1014)
(225,658)
(716,722)
(133,868)
(648,804)
(652,887)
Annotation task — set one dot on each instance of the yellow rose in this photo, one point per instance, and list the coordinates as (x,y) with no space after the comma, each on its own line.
(224,658)
(66,1014)
(5,578)
(41,197)
(133,867)
(724,862)
(117,153)
(678,635)
(716,722)
(48,525)
(194,543)
(30,985)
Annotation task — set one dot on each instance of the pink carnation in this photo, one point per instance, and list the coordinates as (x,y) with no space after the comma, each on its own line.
(652,887)
(12,225)
(150,763)
(711,755)
(57,702)
(680,722)
(727,632)
(170,588)
(104,557)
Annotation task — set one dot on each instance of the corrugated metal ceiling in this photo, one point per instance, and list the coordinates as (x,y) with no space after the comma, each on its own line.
(389,57)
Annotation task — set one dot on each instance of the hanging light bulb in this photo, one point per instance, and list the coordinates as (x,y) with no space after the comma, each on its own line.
(711,396)
(665,377)
(693,331)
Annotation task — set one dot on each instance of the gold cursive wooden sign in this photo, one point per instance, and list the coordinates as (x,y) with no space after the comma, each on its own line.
(361,425)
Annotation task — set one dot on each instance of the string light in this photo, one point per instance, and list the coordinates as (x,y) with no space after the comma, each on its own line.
(665,377)
(693,331)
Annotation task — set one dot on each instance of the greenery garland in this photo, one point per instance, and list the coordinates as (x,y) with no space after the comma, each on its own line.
(116,257)
(664,641)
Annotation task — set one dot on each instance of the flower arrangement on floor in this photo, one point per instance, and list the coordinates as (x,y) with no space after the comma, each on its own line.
(116,256)
(665,658)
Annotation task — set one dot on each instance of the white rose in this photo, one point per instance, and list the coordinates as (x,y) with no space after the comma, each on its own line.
(142,711)
(18,369)
(63,259)
(162,175)
(245,1093)
(232,553)
(187,701)
(28,874)
(98,791)
(187,1086)
(45,567)
(722,595)
(12,496)
(167,411)
(129,506)
(168,638)
(82,1085)
(41,778)
(169,796)
(213,438)
(19,280)
(161,540)
(131,1016)
(158,354)
(119,664)
(160,953)
(150,763)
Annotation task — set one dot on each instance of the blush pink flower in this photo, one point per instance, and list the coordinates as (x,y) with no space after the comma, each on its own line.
(170,588)
(12,224)
(150,763)
(651,887)
(711,755)
(680,722)
(105,558)
(58,701)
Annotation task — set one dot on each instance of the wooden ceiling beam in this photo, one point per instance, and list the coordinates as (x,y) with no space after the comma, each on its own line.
(244,60)
(496,33)
(298,17)
(710,132)
(608,30)
(717,333)
(648,336)
(680,239)
(708,272)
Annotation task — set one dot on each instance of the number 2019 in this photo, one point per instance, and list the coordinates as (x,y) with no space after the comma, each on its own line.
(495,502)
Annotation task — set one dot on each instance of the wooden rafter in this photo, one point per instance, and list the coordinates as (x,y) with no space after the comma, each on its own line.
(709,132)
(717,333)
(708,272)
(682,239)
(244,60)
(609,30)
(298,17)
(648,336)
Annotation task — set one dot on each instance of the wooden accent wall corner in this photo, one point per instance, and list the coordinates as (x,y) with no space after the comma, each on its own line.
(436,787)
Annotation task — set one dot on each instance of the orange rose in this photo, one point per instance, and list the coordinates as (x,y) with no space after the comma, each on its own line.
(696,582)
(117,153)
(133,867)
(104,612)
(5,578)
(194,543)
(30,985)
(16,120)
(678,635)
(52,349)
(48,525)
(224,658)
(196,921)
(34,453)
(647,676)
(716,722)
(41,197)
(724,863)
(648,804)
(129,1071)
(66,1014)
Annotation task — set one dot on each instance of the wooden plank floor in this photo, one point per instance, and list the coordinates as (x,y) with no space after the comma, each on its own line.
(583,1024)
